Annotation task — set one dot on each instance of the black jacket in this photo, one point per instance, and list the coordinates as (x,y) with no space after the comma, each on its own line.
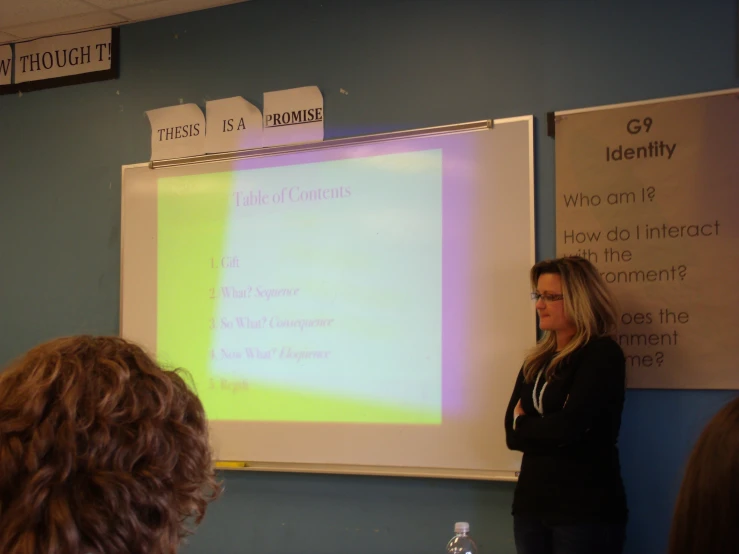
(570,472)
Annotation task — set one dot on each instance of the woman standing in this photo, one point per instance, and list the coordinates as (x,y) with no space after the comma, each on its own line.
(565,416)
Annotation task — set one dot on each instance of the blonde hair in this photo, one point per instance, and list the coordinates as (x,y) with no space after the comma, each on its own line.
(588,303)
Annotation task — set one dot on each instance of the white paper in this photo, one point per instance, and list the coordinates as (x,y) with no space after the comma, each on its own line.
(177,132)
(6,64)
(63,55)
(232,124)
(292,116)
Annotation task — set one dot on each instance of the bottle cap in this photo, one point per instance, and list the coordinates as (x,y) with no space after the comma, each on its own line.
(461,527)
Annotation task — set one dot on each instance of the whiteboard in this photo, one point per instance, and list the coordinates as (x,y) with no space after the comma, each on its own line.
(350,306)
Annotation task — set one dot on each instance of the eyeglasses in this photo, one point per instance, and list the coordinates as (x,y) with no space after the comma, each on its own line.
(546,297)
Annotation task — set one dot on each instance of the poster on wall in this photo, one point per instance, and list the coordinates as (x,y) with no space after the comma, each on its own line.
(177,131)
(232,124)
(293,116)
(648,192)
(6,64)
(59,60)
(64,55)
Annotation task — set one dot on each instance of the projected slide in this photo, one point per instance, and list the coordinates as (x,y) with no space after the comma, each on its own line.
(309,292)
(349,305)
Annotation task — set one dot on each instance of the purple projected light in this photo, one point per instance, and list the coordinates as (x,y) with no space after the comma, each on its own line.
(459,179)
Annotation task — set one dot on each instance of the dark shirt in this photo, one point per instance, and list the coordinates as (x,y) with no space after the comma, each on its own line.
(570,472)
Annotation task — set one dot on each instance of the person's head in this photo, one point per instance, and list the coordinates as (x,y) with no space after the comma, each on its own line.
(101,452)
(707,508)
(573,304)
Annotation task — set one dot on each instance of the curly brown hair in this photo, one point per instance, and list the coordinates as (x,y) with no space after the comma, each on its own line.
(101,451)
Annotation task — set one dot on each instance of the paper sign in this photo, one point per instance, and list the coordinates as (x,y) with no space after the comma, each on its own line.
(648,193)
(177,132)
(64,55)
(232,124)
(6,64)
(292,116)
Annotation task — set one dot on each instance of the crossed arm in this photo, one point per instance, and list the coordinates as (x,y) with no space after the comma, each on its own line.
(597,385)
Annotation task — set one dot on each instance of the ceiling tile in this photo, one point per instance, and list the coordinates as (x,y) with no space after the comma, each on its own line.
(5,38)
(29,19)
(66,25)
(163,8)
(23,12)
(113,4)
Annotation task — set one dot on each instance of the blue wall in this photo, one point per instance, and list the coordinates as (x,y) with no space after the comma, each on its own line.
(404,64)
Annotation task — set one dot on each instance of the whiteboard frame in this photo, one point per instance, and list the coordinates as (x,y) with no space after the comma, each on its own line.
(339,469)
(482,125)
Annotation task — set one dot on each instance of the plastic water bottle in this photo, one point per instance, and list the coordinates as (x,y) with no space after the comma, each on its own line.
(461,543)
